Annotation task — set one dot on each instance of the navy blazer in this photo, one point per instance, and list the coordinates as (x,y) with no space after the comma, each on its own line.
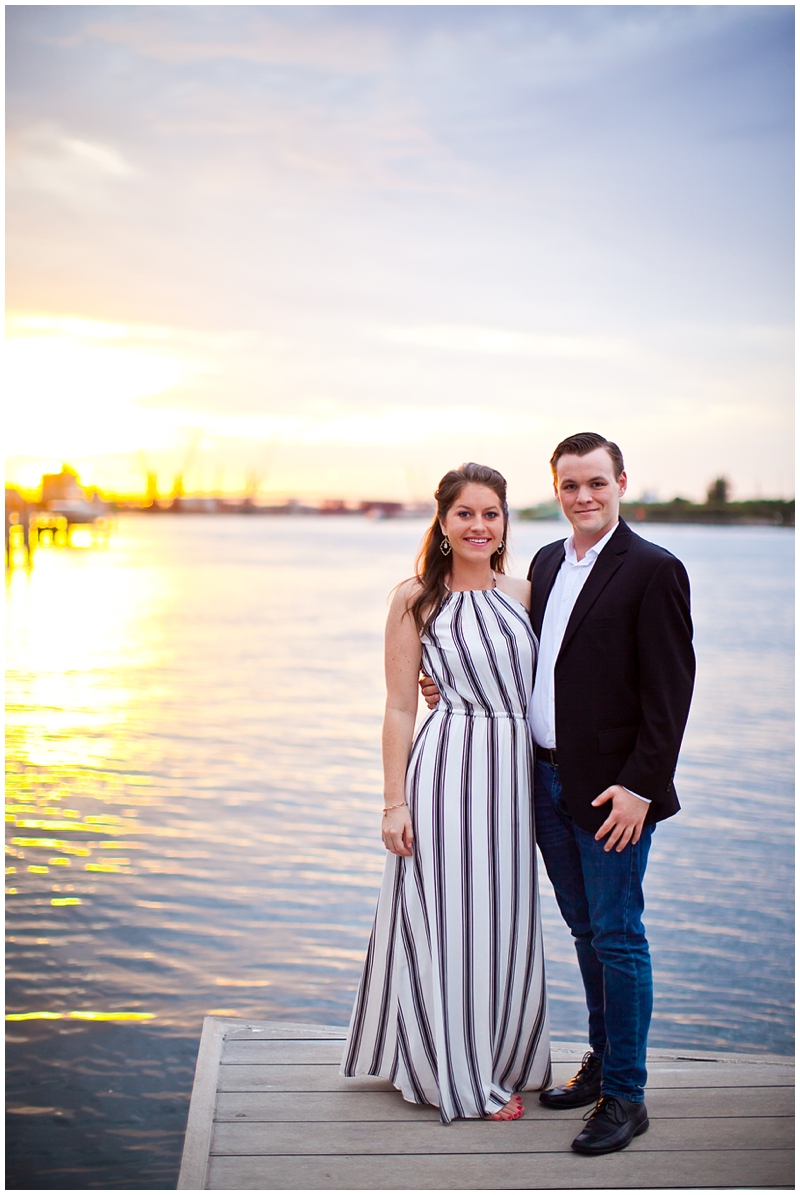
(624,674)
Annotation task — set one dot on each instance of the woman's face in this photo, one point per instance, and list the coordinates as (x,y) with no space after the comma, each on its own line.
(474,524)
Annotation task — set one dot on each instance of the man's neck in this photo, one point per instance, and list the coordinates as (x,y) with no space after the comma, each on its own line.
(584,543)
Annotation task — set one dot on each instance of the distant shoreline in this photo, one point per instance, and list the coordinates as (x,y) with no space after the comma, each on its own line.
(756,512)
(78,509)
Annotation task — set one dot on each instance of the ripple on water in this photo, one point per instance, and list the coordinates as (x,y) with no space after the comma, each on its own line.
(194,782)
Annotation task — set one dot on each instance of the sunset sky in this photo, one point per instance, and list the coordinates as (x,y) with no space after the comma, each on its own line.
(341,249)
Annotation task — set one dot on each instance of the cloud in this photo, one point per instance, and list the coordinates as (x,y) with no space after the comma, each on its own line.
(45,159)
(418,215)
(328,423)
(323,44)
(101,159)
(78,329)
(452,338)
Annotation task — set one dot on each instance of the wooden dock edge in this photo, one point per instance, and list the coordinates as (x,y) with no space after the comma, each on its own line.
(216,1030)
(197,1142)
(200,1124)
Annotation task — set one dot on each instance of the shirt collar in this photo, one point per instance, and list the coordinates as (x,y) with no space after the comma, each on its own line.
(592,554)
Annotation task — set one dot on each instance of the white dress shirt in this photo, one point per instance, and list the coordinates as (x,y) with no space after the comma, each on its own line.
(570,580)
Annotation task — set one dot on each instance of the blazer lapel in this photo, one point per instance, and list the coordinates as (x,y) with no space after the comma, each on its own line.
(542,576)
(610,559)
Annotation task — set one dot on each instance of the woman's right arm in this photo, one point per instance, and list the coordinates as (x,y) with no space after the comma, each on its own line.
(403,657)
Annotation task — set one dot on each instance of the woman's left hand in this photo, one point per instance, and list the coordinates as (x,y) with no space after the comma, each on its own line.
(396,831)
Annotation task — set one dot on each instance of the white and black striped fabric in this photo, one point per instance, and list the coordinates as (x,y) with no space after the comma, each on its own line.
(452,1007)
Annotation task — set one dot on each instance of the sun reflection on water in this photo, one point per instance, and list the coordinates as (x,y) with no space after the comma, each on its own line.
(195,777)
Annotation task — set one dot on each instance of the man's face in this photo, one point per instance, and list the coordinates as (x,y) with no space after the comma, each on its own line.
(589,493)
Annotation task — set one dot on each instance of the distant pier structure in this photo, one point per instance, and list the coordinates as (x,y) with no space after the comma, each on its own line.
(63,505)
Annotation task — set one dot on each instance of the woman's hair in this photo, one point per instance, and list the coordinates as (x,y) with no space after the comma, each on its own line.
(431,566)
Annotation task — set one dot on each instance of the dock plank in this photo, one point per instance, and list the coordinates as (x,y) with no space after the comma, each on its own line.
(325,1077)
(277,1053)
(250,1051)
(200,1125)
(717,1120)
(464,1137)
(514,1172)
(303,1077)
(251,1047)
(281,1031)
(733,1102)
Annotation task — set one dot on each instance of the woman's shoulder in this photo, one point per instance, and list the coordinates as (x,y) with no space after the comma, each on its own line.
(407,590)
(403,595)
(516,587)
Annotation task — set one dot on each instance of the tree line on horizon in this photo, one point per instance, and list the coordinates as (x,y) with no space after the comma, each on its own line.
(718,508)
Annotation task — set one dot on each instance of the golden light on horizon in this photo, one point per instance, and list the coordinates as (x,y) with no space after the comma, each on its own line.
(117,401)
(227,411)
(72,386)
(230,275)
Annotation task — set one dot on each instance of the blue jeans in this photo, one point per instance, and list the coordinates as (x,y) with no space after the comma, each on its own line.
(600,897)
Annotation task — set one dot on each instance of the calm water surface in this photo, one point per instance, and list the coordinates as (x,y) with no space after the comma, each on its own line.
(194,758)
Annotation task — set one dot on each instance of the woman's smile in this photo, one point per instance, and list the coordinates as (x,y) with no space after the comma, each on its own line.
(475,523)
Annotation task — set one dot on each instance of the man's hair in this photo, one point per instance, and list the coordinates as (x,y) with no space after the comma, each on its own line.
(582,444)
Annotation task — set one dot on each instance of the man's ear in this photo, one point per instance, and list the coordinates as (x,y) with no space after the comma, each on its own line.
(555,490)
(622,481)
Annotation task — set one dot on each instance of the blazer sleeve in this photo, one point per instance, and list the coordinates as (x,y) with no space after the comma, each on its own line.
(666,680)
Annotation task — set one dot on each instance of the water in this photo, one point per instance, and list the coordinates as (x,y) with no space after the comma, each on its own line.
(206,693)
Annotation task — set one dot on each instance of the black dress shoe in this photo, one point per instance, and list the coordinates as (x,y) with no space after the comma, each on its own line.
(612,1125)
(583,1089)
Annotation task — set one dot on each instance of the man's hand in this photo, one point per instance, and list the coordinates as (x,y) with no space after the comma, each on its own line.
(429,691)
(624,822)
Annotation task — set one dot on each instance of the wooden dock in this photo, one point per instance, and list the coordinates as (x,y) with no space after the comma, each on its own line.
(270,1112)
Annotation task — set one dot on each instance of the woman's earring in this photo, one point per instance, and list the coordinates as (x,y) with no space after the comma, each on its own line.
(501,547)
(445,547)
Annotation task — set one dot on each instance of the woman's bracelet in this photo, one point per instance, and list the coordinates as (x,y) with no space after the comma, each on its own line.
(399,805)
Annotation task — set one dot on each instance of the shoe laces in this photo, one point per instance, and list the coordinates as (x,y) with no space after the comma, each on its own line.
(609,1107)
(590,1059)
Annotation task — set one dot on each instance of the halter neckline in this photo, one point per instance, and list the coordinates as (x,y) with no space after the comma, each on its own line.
(494,587)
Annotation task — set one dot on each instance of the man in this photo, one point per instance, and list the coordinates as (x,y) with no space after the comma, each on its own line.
(610,702)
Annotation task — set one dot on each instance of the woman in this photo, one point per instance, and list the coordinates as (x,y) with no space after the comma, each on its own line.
(451,1007)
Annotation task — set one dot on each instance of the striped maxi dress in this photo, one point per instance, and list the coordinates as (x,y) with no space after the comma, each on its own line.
(451,1007)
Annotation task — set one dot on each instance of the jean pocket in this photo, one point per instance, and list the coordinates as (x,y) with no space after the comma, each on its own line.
(556,796)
